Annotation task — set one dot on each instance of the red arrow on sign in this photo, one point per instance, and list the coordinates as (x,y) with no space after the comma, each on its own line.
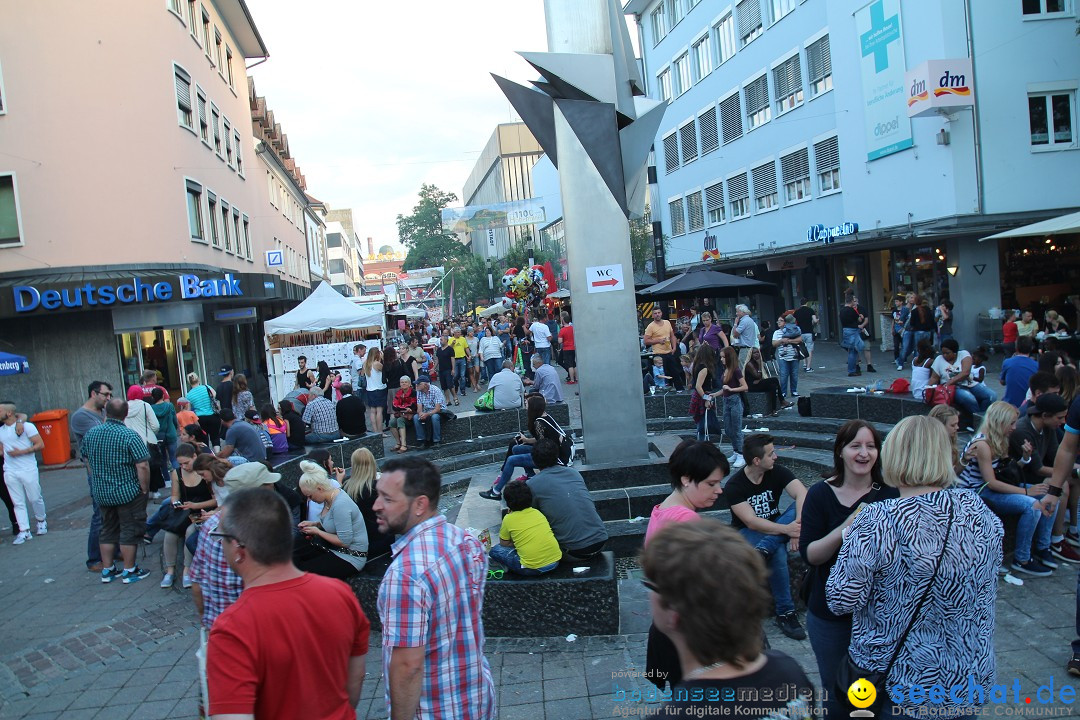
(599,283)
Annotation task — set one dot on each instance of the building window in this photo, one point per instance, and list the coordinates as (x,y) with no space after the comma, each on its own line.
(758,111)
(225,234)
(193,20)
(659,24)
(239,155)
(174,8)
(211,207)
(714,203)
(819,66)
(247,238)
(215,120)
(703,56)
(194,211)
(217,51)
(725,37)
(272,187)
(1051,117)
(183,97)
(780,8)
(236,232)
(795,169)
(707,126)
(730,119)
(694,212)
(682,74)
(678,220)
(749,14)
(764,177)
(227,130)
(677,11)
(204,121)
(671,153)
(663,81)
(1044,7)
(228,66)
(827,162)
(206,33)
(688,139)
(738,196)
(787,80)
(10,234)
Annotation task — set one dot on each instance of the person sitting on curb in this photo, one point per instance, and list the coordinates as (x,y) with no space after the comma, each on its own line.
(559,493)
(429,403)
(545,381)
(526,543)
(320,415)
(753,494)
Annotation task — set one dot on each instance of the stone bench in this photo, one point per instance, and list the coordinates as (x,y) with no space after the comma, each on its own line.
(470,424)
(340,452)
(836,402)
(677,404)
(554,604)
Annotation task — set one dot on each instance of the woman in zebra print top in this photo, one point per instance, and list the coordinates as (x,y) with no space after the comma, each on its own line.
(887,561)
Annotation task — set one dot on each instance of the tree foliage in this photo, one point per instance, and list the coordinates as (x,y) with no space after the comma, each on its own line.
(641,242)
(422,233)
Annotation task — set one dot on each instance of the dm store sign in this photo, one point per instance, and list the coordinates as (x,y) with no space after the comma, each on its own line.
(29,298)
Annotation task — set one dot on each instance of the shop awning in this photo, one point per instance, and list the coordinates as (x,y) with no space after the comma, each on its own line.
(1054,226)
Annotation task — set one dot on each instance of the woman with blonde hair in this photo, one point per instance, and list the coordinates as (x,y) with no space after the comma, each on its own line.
(202,403)
(336,544)
(949,416)
(935,554)
(375,396)
(986,466)
(361,488)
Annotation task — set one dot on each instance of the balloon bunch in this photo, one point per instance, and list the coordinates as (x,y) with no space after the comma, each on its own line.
(527,287)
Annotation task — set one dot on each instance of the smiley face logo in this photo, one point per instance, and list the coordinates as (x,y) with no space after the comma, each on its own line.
(862,693)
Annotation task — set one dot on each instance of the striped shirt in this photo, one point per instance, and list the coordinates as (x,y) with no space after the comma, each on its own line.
(432,596)
(112,449)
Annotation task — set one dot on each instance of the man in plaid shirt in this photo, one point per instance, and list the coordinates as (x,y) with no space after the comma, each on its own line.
(430,603)
(321,417)
(429,401)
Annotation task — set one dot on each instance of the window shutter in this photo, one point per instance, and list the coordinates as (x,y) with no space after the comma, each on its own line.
(183,89)
(714,200)
(737,188)
(688,137)
(707,128)
(749,17)
(678,221)
(693,209)
(795,166)
(757,95)
(827,154)
(764,179)
(731,119)
(787,78)
(671,153)
(818,60)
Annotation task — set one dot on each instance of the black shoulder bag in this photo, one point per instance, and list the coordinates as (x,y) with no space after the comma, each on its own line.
(848,672)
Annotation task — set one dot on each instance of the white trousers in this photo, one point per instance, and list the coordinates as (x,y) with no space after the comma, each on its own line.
(25,489)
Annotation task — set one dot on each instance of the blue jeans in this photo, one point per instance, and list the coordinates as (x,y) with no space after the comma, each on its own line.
(153,525)
(789,375)
(975,398)
(493,366)
(830,640)
(853,341)
(460,365)
(93,549)
(774,548)
(520,457)
(508,556)
(314,438)
(733,421)
(436,427)
(1032,525)
(545,353)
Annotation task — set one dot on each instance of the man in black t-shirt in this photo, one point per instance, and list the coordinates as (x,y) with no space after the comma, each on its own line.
(754,494)
(224,388)
(852,336)
(805,316)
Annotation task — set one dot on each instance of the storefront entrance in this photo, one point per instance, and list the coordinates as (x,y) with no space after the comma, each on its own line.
(172,352)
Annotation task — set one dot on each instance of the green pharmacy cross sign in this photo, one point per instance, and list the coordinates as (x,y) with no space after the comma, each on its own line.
(882,32)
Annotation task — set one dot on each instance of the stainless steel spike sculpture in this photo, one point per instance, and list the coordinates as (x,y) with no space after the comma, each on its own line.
(590,116)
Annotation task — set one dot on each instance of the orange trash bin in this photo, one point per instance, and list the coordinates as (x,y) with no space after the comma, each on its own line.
(53,427)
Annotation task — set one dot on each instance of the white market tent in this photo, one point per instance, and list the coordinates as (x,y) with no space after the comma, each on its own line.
(324,309)
(1054,226)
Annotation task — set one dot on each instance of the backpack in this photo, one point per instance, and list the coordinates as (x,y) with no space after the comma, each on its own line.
(804,406)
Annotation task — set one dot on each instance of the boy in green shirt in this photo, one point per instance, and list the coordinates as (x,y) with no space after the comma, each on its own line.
(526,544)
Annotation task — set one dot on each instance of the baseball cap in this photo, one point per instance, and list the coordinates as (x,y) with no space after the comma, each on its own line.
(225,370)
(423,378)
(1047,404)
(249,475)
(252,414)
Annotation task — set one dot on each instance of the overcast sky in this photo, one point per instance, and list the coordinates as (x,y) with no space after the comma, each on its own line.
(378,98)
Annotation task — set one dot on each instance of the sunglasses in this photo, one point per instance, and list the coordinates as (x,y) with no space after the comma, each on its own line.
(649,584)
(496,574)
(220,536)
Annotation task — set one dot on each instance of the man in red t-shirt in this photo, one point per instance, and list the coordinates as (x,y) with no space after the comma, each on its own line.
(294,644)
(566,345)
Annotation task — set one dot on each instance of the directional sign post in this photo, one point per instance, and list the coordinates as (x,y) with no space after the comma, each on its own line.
(604,278)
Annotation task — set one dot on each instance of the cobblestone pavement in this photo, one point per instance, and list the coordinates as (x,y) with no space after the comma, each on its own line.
(75,648)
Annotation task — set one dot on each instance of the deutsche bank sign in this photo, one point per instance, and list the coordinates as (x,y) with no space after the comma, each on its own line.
(186,287)
(823,234)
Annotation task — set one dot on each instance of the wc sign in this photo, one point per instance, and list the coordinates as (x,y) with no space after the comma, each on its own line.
(604,278)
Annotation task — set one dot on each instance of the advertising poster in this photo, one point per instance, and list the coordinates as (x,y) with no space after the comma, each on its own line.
(882,65)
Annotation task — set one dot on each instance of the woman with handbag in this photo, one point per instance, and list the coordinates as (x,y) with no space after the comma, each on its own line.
(759,384)
(144,422)
(403,410)
(166,434)
(919,575)
(190,496)
(989,472)
(204,404)
(336,544)
(830,506)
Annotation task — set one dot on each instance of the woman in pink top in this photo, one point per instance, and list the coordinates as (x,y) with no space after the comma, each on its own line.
(697,470)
